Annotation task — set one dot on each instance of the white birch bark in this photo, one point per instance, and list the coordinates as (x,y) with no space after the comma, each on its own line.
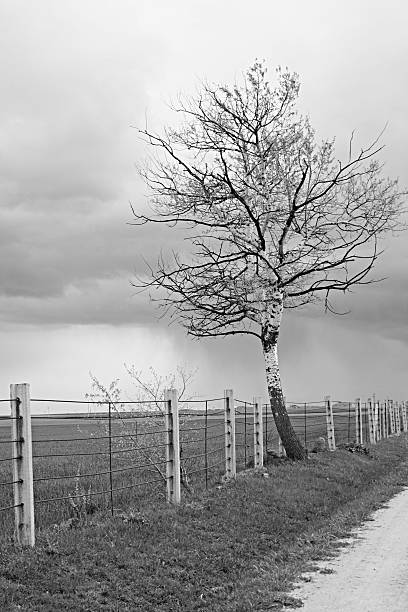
(271,322)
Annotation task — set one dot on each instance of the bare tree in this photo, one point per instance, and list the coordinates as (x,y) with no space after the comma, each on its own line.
(273,219)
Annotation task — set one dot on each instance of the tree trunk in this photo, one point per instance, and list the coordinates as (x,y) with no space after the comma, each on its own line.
(270,333)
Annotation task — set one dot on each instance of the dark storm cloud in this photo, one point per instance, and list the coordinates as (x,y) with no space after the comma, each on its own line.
(66,163)
(380,308)
(109,301)
(42,251)
(79,74)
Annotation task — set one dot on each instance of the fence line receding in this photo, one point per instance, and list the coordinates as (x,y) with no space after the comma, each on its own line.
(122,455)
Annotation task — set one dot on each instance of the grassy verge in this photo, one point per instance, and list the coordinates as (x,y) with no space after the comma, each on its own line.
(236,548)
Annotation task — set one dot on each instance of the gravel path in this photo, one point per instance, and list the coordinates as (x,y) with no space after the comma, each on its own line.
(370,575)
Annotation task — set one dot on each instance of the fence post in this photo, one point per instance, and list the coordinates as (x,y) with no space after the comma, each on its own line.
(392,416)
(404,415)
(371,431)
(258,433)
(173,489)
(398,410)
(230,455)
(383,421)
(358,421)
(387,418)
(23,464)
(331,441)
(377,421)
(376,424)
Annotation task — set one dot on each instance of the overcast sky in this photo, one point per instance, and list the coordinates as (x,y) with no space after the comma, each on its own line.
(76,78)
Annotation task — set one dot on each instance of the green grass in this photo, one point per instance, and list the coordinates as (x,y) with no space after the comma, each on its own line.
(235,548)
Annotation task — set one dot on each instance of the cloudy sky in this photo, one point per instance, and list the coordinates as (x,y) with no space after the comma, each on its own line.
(76,78)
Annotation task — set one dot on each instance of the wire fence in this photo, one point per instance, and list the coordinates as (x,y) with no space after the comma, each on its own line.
(124,455)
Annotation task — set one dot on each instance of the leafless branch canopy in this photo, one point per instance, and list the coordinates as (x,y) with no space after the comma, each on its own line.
(264,205)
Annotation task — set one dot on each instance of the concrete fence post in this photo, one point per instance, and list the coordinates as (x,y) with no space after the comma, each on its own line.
(173,488)
(258,433)
(331,441)
(230,453)
(22,464)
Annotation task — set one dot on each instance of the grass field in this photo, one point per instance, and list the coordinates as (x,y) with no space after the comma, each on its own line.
(80,456)
(74,456)
(236,547)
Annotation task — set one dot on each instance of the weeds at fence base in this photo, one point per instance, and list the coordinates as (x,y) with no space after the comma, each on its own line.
(133,516)
(319,445)
(273,458)
(353,447)
(81,501)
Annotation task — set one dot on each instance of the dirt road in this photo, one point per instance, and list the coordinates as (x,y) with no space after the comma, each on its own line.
(370,575)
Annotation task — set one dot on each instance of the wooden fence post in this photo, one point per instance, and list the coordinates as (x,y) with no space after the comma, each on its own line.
(358,422)
(392,417)
(404,416)
(371,430)
(173,488)
(383,420)
(397,418)
(23,464)
(331,441)
(258,433)
(230,454)
(376,420)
